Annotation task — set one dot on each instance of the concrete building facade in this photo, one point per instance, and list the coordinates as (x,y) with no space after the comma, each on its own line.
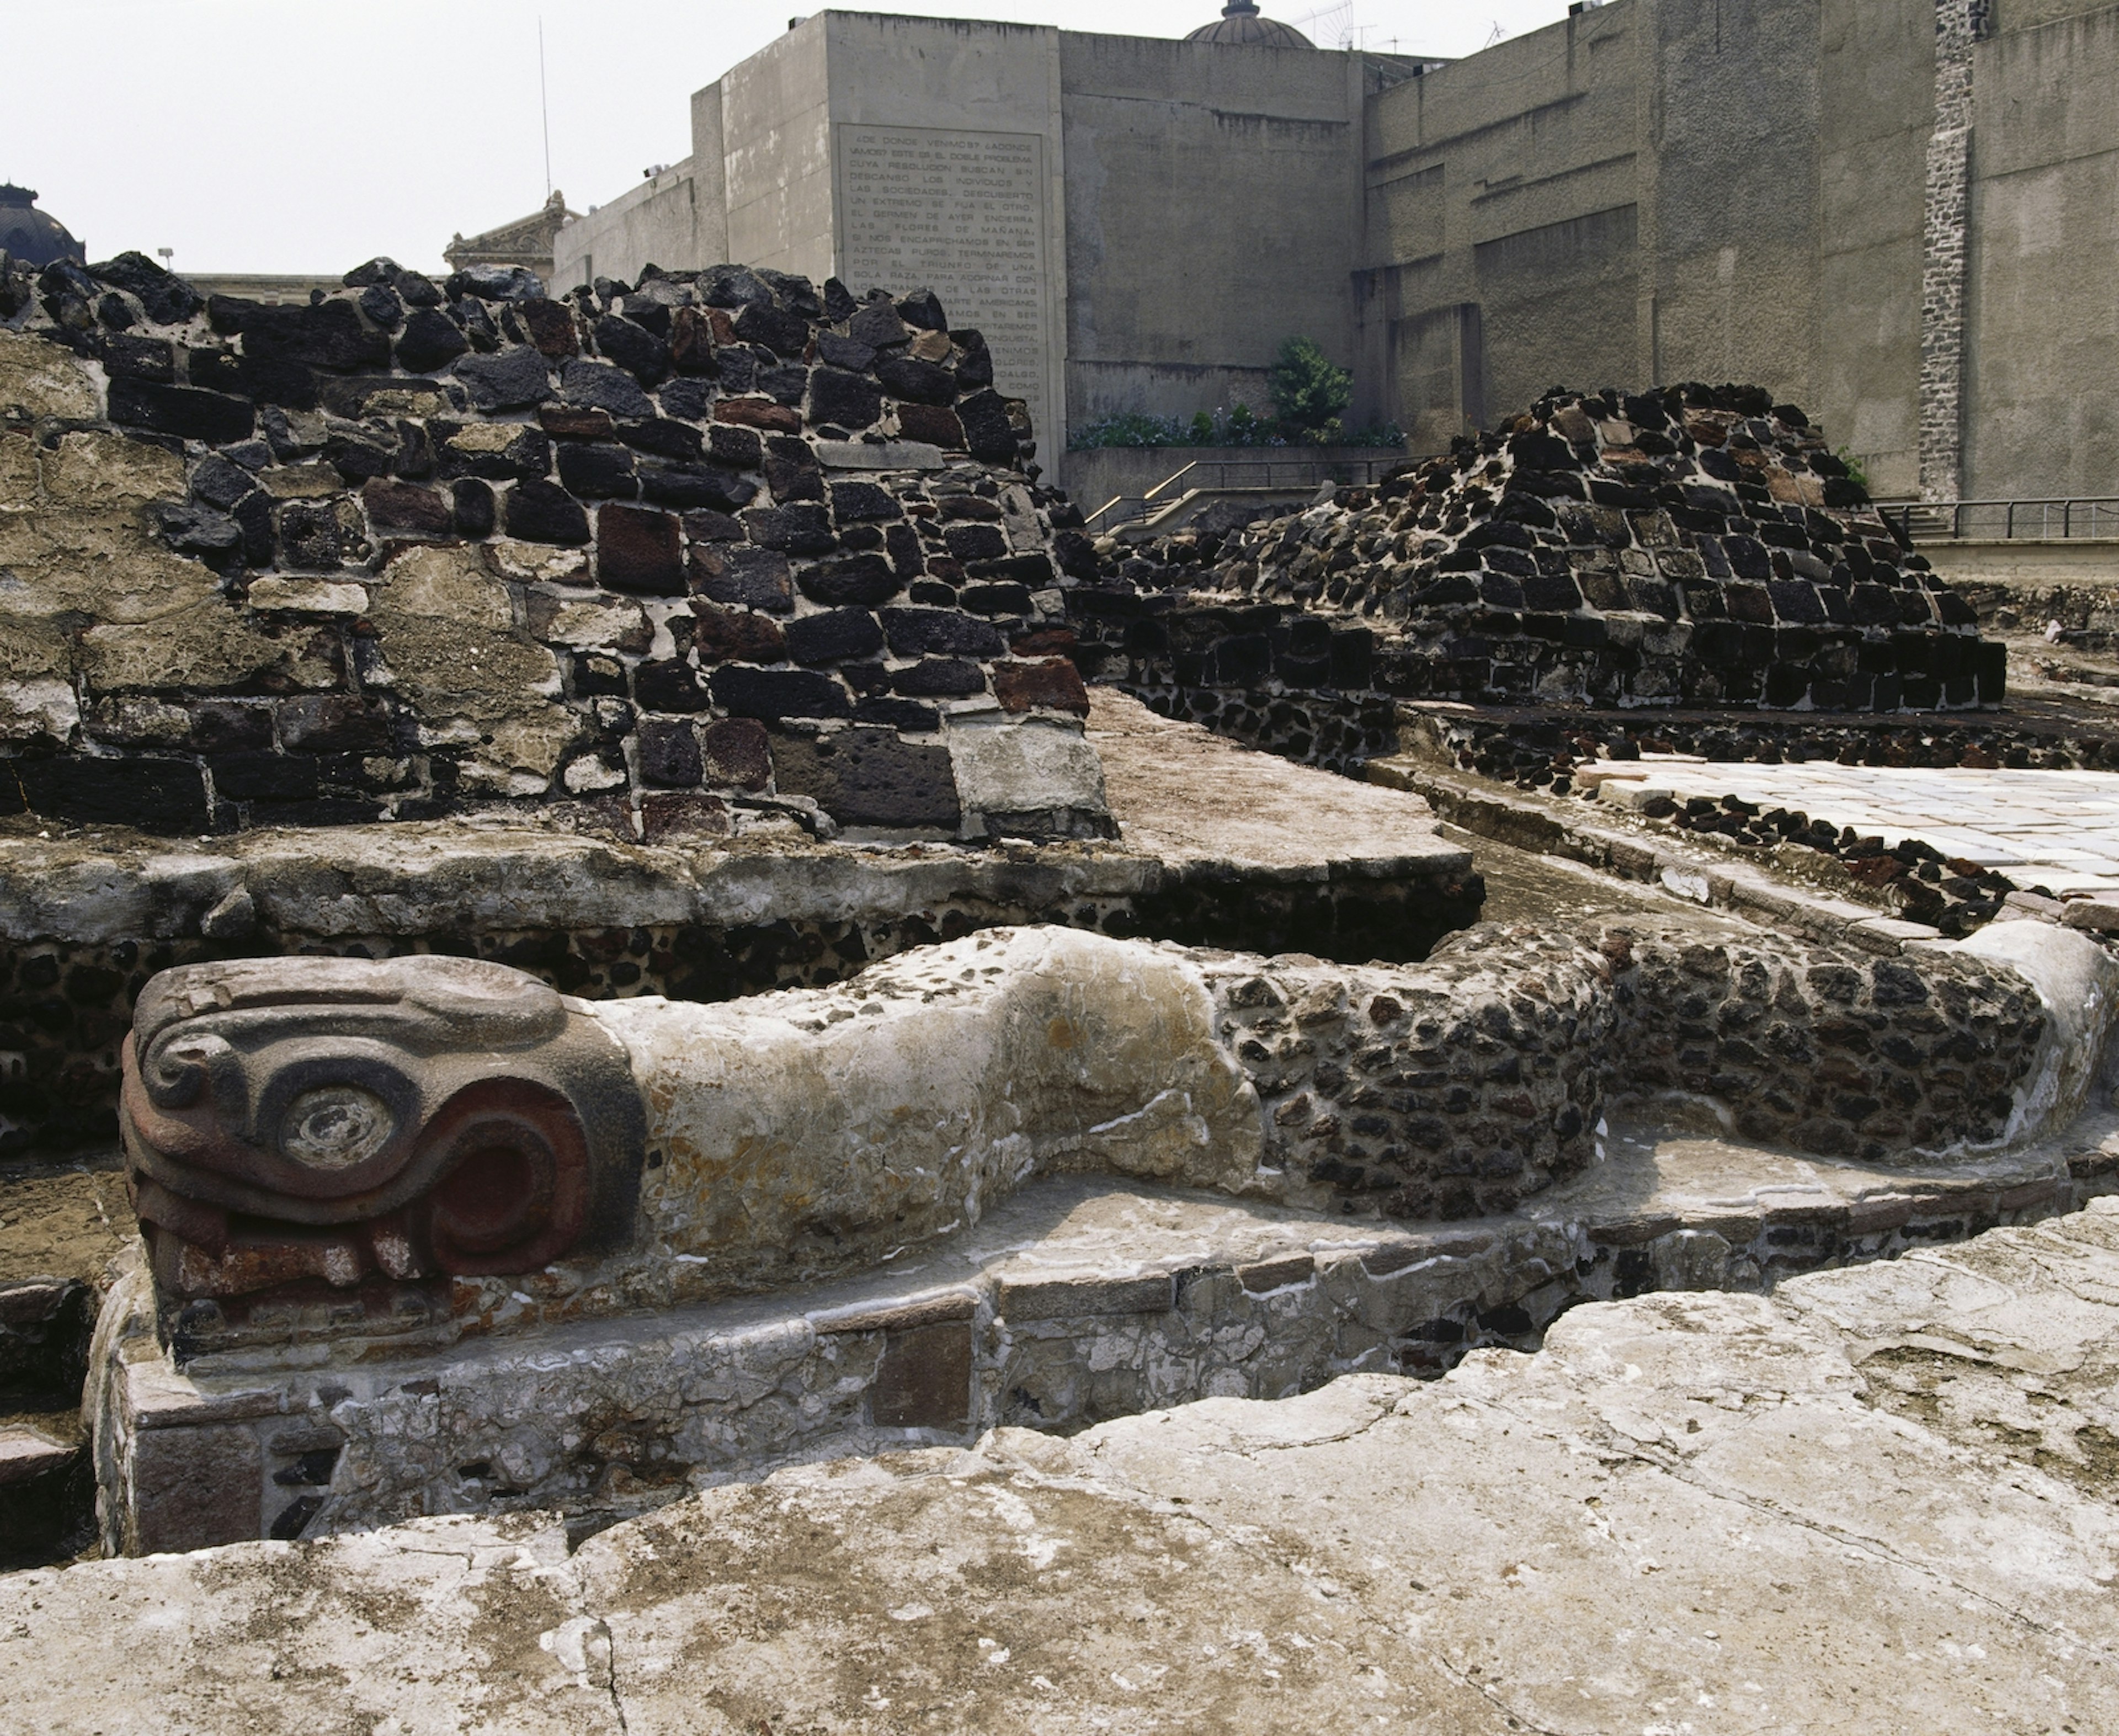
(1901,214)
(1048,185)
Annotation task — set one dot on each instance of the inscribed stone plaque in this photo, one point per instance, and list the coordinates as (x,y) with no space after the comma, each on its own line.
(962,214)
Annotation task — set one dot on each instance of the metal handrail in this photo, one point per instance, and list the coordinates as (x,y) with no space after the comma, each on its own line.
(1310,471)
(1091,522)
(2079,516)
(1155,492)
(1306,469)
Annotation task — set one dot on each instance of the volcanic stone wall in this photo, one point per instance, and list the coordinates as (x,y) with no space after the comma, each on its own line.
(1448,1089)
(1466,1084)
(1696,546)
(653,558)
(1827,1049)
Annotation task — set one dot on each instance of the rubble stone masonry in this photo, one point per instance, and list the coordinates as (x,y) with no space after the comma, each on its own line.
(1698,547)
(649,559)
(1958,25)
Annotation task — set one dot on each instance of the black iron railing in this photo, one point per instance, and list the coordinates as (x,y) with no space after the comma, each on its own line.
(2002,521)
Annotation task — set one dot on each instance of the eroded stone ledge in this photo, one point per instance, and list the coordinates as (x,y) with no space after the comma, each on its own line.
(1078,1300)
(901,1124)
(1752,1501)
(394,1153)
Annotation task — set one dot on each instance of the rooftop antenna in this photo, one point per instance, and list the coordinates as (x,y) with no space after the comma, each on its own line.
(1330,20)
(545,105)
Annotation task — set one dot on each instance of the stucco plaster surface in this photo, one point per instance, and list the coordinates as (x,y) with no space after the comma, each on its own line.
(802,1129)
(77,546)
(1200,801)
(44,381)
(1081,1298)
(1878,1500)
(451,645)
(1001,771)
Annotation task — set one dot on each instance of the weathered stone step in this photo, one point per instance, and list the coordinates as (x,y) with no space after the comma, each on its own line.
(1876,1501)
(1077,1300)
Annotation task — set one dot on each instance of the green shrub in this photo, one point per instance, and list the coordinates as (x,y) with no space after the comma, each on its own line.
(1372,434)
(1308,391)
(1127,427)
(1242,426)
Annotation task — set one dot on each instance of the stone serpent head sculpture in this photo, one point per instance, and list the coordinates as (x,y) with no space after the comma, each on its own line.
(292,1120)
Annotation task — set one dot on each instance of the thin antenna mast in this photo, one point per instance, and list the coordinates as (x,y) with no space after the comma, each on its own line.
(545,105)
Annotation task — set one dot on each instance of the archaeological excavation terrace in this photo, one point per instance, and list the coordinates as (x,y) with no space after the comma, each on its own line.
(613,914)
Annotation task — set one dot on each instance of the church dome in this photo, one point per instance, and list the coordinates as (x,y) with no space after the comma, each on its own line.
(31,235)
(1240,23)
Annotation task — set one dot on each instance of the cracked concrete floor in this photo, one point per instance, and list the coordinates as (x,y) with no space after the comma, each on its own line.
(1880,1500)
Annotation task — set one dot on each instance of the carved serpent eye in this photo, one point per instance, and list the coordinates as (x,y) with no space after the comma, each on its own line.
(335,1127)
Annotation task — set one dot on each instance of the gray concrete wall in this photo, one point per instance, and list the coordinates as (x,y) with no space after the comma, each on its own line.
(2042,330)
(1658,190)
(776,141)
(2025,15)
(1214,214)
(1212,208)
(1655,191)
(950,171)
(1667,190)
(1728,232)
(1502,220)
(1876,110)
(708,163)
(2027,565)
(656,223)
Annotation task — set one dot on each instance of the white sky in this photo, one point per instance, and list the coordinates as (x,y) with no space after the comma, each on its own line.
(310,135)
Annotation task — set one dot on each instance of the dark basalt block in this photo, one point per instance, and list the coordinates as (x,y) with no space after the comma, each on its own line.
(156,795)
(639,551)
(543,511)
(863,579)
(329,335)
(186,411)
(508,379)
(866,777)
(639,351)
(770,695)
(916,632)
(833,636)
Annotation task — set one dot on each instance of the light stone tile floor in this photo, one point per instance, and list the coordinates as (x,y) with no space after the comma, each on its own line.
(2059,829)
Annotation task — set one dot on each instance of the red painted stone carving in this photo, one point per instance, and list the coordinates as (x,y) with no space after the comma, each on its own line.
(289,1122)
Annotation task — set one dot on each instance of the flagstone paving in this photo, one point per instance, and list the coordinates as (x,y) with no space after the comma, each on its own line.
(2058,829)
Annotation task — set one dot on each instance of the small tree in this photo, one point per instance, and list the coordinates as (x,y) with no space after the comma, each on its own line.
(1308,391)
